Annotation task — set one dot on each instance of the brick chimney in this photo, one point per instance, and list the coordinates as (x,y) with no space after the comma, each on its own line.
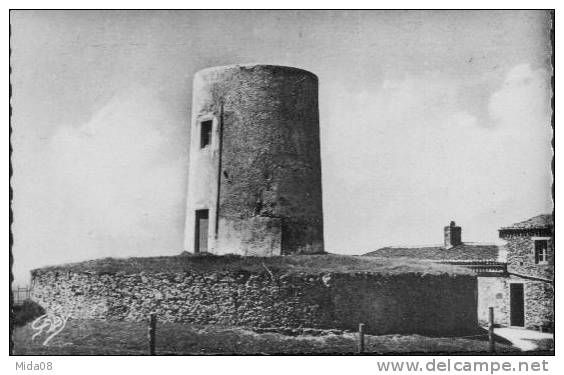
(453,235)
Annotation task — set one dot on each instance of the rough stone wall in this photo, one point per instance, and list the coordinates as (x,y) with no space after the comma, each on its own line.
(408,303)
(260,236)
(539,305)
(538,299)
(521,257)
(270,154)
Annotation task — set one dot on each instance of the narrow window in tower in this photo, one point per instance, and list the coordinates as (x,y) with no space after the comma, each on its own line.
(205,133)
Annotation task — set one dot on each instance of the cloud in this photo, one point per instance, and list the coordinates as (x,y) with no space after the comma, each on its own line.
(523,101)
(407,125)
(418,156)
(114,186)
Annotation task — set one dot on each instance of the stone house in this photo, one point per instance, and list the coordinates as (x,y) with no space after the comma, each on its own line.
(524,296)
(516,279)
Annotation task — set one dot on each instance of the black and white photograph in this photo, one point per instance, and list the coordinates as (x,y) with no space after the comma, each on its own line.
(282,182)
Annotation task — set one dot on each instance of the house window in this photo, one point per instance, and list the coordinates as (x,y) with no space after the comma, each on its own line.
(541,251)
(205,133)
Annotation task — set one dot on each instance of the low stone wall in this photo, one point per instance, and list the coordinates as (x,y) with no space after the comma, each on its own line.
(401,303)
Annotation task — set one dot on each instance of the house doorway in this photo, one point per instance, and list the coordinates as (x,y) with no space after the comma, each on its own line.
(517,302)
(201,235)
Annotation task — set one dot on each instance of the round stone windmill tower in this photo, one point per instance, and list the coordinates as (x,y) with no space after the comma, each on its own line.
(254,183)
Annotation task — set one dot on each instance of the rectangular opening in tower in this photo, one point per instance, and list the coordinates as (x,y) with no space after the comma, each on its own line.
(205,133)
(201,237)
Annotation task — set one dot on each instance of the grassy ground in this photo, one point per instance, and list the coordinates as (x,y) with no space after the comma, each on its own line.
(310,264)
(127,338)
(26,312)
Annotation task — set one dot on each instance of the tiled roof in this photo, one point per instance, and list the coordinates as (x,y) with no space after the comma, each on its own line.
(537,222)
(467,252)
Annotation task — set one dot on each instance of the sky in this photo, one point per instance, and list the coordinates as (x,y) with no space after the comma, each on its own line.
(425,117)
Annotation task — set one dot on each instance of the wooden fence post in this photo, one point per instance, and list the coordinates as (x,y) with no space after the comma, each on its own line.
(361,338)
(152,333)
(491,340)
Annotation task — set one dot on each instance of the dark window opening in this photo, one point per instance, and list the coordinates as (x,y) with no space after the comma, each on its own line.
(541,251)
(205,133)
(201,235)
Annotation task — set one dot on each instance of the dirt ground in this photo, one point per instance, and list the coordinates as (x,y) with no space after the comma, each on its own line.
(131,338)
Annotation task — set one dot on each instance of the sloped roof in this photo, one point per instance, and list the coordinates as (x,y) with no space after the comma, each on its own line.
(466,251)
(537,222)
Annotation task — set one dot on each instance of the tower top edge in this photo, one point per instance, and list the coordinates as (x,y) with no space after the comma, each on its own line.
(250,66)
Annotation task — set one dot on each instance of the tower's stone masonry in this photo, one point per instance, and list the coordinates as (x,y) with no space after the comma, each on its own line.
(255,168)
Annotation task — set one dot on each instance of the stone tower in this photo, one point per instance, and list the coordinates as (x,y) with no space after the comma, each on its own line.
(254,183)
